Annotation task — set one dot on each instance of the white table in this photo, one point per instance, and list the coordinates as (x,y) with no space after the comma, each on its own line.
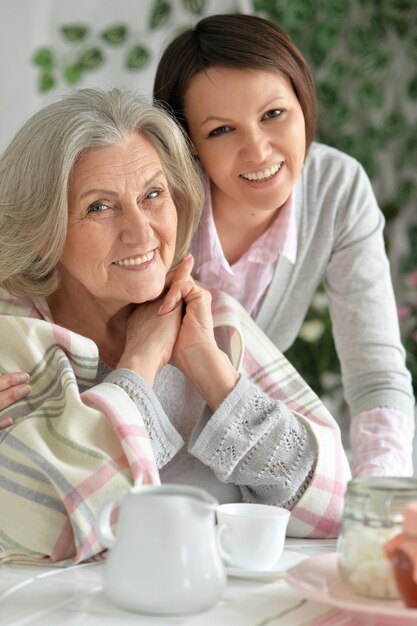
(73,597)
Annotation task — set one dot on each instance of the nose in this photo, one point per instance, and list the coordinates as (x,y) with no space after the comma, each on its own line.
(136,227)
(256,146)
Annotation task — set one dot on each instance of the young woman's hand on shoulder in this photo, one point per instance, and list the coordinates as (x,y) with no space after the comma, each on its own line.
(13,387)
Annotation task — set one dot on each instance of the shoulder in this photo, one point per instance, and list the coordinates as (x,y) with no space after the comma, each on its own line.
(321,155)
(331,178)
(327,166)
(19,306)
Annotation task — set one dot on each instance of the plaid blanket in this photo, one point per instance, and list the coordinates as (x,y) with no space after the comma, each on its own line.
(72,442)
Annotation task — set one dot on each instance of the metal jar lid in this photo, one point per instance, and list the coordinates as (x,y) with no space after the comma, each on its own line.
(379,499)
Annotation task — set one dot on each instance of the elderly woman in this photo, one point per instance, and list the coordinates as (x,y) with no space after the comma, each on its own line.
(135,375)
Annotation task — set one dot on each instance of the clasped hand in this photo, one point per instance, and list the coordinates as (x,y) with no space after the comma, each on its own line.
(178,329)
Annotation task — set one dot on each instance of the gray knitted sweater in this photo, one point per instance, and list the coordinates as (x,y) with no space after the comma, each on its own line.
(252,448)
(340,241)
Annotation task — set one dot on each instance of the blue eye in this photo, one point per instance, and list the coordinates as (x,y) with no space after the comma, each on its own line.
(96,207)
(155,193)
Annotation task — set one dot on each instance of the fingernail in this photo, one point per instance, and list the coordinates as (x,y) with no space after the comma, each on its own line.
(6,421)
(21,377)
(23,391)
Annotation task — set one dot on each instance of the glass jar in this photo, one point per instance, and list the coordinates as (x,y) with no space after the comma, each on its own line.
(373,514)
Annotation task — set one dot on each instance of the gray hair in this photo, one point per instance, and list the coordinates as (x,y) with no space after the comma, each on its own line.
(35,171)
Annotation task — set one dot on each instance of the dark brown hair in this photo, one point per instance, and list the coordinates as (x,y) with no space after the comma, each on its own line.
(232,41)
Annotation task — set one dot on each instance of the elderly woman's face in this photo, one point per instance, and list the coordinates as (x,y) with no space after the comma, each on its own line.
(121,226)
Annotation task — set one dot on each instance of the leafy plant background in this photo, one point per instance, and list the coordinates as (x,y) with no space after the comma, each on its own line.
(363,55)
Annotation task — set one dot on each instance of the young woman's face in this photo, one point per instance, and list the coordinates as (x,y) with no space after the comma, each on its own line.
(248,130)
(122,225)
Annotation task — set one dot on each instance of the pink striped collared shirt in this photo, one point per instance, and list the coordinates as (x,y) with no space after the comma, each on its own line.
(381,437)
(248,279)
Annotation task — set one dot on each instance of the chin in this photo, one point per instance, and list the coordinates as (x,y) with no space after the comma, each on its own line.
(149,296)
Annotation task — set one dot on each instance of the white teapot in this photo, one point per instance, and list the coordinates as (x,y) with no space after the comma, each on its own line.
(164,558)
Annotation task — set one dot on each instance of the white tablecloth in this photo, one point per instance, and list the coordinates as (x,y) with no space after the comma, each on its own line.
(45,596)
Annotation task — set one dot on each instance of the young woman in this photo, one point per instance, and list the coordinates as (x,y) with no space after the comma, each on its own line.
(283,213)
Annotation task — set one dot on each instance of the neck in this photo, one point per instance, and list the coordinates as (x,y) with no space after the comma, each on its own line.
(238,226)
(81,313)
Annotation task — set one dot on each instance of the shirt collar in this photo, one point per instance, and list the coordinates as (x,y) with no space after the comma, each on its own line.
(279,239)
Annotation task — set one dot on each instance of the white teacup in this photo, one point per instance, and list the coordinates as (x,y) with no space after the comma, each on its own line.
(251,536)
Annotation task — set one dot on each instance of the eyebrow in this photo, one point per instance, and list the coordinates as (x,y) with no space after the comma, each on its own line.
(97,191)
(217,118)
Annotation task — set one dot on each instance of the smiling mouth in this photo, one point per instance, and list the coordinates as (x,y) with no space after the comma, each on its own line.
(136,260)
(263,174)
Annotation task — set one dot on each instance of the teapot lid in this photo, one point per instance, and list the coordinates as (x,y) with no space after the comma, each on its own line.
(176,490)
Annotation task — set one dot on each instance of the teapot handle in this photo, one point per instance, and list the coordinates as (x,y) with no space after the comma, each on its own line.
(103,526)
(226,556)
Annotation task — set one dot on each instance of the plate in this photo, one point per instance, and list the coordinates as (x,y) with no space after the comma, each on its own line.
(318,579)
(288,559)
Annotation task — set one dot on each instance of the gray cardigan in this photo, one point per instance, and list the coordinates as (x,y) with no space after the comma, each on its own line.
(340,240)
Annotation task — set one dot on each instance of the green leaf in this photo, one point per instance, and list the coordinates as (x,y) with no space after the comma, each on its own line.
(137,57)
(160,14)
(361,41)
(406,191)
(327,94)
(368,162)
(373,138)
(269,9)
(90,59)
(74,32)
(115,35)
(346,143)
(340,114)
(379,26)
(338,73)
(335,8)
(412,46)
(390,210)
(46,82)
(297,13)
(393,126)
(44,58)
(412,88)
(410,262)
(408,152)
(369,96)
(324,37)
(375,65)
(196,7)
(73,73)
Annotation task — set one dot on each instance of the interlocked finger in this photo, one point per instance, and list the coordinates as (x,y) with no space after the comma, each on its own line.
(179,283)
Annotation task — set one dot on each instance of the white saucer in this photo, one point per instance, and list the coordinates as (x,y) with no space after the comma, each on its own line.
(287,560)
(318,579)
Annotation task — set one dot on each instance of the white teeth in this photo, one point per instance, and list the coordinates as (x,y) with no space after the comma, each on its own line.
(270,171)
(136,260)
